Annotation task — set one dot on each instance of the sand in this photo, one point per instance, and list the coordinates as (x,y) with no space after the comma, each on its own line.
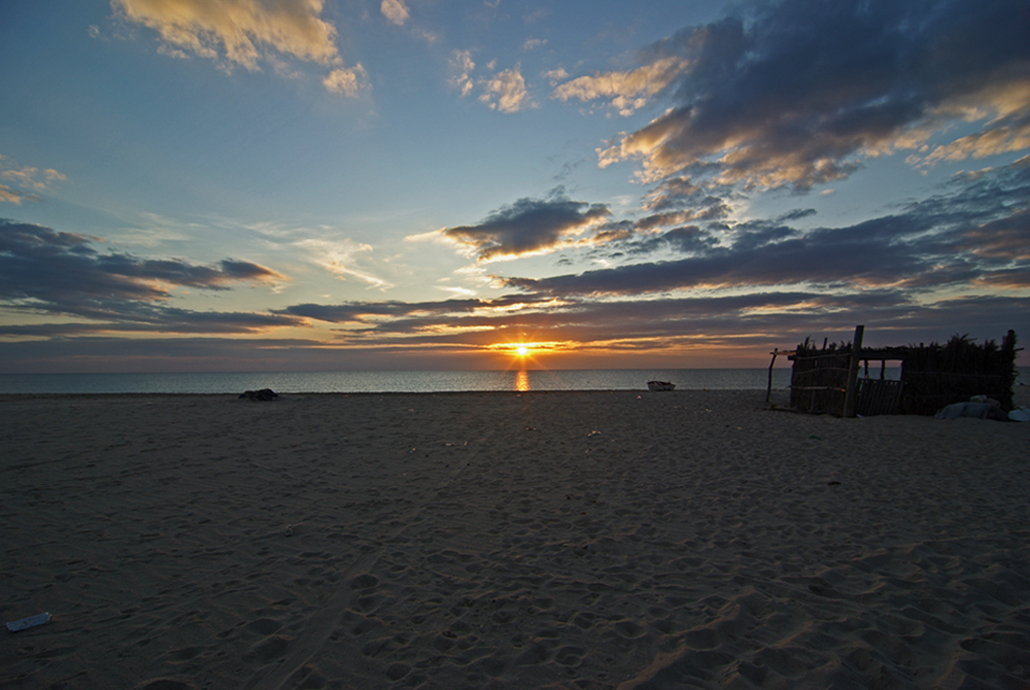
(493,540)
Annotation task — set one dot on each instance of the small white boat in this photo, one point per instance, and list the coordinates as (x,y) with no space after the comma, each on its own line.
(661,386)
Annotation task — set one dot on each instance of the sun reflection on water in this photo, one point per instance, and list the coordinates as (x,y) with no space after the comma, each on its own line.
(521,381)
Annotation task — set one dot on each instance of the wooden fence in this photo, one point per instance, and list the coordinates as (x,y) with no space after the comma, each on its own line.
(932,376)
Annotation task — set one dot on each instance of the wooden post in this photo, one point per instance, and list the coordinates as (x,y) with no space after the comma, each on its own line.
(851,392)
(768,389)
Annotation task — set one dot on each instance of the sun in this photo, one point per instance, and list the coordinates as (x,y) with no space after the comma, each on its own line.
(522,350)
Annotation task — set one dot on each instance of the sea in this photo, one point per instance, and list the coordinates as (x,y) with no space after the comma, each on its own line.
(395,381)
(412,381)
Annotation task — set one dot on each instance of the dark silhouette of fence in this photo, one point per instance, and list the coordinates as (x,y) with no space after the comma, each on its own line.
(826,379)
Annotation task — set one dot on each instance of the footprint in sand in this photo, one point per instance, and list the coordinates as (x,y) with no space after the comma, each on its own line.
(268,650)
(570,656)
(264,626)
(165,684)
(366,581)
(185,654)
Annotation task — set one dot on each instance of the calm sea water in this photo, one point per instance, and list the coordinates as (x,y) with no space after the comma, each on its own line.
(410,381)
(394,381)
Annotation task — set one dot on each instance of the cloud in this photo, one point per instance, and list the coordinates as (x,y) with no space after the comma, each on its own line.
(349,82)
(395,10)
(28,183)
(752,321)
(798,94)
(741,329)
(506,91)
(1005,239)
(371,312)
(957,257)
(340,259)
(970,235)
(44,270)
(143,318)
(627,91)
(14,196)
(1007,135)
(461,71)
(245,32)
(529,226)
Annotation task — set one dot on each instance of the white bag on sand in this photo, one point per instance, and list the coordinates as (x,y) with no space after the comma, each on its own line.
(978,410)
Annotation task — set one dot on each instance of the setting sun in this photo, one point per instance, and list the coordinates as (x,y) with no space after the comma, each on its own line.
(522,350)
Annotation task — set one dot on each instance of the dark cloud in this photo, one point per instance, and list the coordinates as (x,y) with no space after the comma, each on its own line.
(156,319)
(974,231)
(371,312)
(685,240)
(61,273)
(796,93)
(679,200)
(53,268)
(530,226)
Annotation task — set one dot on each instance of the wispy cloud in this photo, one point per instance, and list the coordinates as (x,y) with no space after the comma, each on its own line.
(22,183)
(340,257)
(246,33)
(795,94)
(461,71)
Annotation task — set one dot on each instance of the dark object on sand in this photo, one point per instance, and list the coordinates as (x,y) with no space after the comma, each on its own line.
(31,621)
(661,386)
(261,395)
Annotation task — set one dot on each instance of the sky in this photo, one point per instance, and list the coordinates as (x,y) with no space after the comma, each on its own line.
(323,185)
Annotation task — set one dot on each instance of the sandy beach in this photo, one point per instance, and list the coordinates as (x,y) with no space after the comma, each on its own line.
(578,540)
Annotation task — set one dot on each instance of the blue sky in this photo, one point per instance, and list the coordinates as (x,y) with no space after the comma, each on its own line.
(252,185)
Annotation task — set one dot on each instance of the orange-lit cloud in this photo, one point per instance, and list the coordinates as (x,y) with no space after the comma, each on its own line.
(24,183)
(628,91)
(245,33)
(1006,239)
(395,10)
(461,71)
(794,95)
(1002,104)
(347,81)
(506,91)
